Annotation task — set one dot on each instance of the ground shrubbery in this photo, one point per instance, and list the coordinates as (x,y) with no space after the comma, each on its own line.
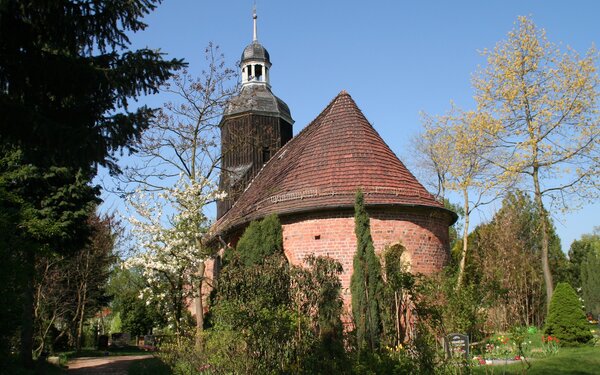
(270,317)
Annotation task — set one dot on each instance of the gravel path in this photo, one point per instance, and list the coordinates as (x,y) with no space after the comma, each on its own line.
(116,365)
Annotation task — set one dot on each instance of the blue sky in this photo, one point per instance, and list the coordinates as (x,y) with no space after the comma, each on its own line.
(396,58)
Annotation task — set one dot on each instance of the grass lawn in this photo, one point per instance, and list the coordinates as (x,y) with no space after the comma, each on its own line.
(576,361)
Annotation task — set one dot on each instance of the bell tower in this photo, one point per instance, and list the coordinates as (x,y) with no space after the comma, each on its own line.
(254,126)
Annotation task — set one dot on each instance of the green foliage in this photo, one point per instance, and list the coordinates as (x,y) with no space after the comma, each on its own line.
(590,282)
(389,362)
(398,292)
(366,283)
(456,228)
(451,309)
(71,288)
(269,317)
(316,290)
(254,305)
(568,361)
(566,319)
(76,113)
(116,325)
(43,210)
(463,310)
(67,77)
(137,317)
(260,240)
(505,262)
(579,250)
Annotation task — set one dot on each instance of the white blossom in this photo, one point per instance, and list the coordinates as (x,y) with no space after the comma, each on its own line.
(169,227)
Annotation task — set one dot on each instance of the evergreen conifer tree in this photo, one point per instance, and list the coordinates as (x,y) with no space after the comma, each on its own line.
(67,78)
(566,319)
(366,283)
(590,282)
(260,240)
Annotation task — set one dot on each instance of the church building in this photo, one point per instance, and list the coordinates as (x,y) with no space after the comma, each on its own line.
(310,180)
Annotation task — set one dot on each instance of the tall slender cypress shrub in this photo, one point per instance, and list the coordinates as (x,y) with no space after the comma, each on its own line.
(366,283)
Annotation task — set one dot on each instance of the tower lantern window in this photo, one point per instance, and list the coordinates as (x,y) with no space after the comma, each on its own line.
(258,72)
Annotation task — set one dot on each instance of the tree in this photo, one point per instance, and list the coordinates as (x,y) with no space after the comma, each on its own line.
(137,316)
(566,319)
(90,271)
(579,250)
(72,115)
(172,249)
(366,283)
(545,101)
(590,282)
(272,317)
(505,262)
(182,147)
(45,210)
(75,112)
(459,146)
(70,289)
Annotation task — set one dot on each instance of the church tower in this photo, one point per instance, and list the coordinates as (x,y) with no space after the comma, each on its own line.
(254,126)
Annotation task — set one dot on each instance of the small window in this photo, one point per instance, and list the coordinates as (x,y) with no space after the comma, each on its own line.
(266,154)
(258,72)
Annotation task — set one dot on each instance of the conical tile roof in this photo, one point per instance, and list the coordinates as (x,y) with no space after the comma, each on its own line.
(324,165)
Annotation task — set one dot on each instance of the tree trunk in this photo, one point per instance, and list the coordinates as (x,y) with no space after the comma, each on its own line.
(26,347)
(82,301)
(545,240)
(463,255)
(81,317)
(200,307)
(397,317)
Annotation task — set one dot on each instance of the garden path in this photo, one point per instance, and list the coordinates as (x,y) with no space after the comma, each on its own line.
(114,365)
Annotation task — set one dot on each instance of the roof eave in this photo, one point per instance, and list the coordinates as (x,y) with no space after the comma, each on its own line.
(293,211)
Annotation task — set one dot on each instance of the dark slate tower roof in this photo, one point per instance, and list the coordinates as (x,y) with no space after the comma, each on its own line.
(258,99)
(255,51)
(322,168)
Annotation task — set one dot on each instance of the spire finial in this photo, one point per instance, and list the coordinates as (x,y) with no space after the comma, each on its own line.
(254,38)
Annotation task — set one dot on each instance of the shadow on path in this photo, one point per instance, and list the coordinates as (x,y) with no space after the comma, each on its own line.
(116,365)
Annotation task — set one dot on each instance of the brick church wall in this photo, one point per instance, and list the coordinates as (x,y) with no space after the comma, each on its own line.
(424,234)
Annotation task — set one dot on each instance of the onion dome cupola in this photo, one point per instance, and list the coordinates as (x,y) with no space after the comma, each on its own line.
(255,62)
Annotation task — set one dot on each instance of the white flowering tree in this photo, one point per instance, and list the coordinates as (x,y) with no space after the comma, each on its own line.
(170,183)
(170,227)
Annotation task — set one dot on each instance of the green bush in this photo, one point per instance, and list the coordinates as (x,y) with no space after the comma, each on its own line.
(260,240)
(566,319)
(387,362)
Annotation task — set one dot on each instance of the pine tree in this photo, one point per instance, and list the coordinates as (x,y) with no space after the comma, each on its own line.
(366,283)
(67,77)
(566,319)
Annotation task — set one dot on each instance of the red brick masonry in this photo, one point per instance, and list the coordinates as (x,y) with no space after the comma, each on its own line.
(423,232)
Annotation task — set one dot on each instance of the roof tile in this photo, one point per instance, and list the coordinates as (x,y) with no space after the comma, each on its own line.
(324,165)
